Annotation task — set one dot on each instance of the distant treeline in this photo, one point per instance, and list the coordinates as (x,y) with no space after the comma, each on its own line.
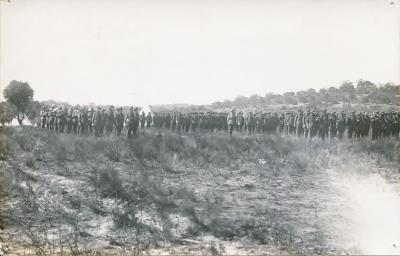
(348,95)
(363,92)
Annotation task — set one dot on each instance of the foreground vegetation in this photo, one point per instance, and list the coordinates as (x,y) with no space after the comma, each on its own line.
(77,194)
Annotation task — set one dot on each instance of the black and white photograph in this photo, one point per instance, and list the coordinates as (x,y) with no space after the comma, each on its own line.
(199,127)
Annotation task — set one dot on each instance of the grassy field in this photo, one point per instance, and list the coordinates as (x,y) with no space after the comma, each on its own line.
(162,193)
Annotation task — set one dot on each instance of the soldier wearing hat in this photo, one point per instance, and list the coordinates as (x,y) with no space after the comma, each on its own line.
(299,123)
(341,125)
(119,121)
(332,125)
(97,122)
(173,121)
(194,121)
(43,116)
(89,121)
(350,123)
(74,121)
(109,119)
(132,121)
(142,119)
(281,122)
(69,120)
(375,125)
(102,121)
(323,125)
(59,119)
(149,120)
(240,121)
(82,121)
(231,122)
(250,122)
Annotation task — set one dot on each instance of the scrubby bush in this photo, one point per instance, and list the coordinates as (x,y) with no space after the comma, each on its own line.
(114,152)
(124,218)
(96,205)
(108,182)
(26,141)
(30,162)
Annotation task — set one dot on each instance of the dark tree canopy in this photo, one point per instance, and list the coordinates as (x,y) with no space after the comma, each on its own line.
(7,112)
(19,94)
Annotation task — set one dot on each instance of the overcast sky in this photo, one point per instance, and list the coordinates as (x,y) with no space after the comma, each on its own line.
(128,52)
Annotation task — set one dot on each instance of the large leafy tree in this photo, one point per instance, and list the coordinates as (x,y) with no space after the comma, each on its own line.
(10,111)
(19,94)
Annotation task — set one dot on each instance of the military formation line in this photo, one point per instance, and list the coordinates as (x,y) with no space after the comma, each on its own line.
(309,124)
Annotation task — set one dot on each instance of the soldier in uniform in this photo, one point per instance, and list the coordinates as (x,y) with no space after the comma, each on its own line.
(289,123)
(194,121)
(314,128)
(323,125)
(281,122)
(180,121)
(96,121)
(307,123)
(75,118)
(188,122)
(332,125)
(275,125)
(43,117)
(59,119)
(341,125)
(358,125)
(142,119)
(230,121)
(54,119)
(48,117)
(168,118)
(298,121)
(82,121)
(259,122)
(132,120)
(103,121)
(351,125)
(149,120)
(240,122)
(375,125)
(110,120)
(173,121)
(366,124)
(119,121)
(69,120)
(386,125)
(250,122)
(89,121)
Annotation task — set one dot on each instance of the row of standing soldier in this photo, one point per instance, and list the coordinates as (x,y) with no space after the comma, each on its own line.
(307,124)
(94,121)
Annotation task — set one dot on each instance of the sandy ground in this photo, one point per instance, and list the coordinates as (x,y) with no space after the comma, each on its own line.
(371,212)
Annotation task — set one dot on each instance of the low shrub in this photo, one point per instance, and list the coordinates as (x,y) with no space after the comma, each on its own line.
(108,183)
